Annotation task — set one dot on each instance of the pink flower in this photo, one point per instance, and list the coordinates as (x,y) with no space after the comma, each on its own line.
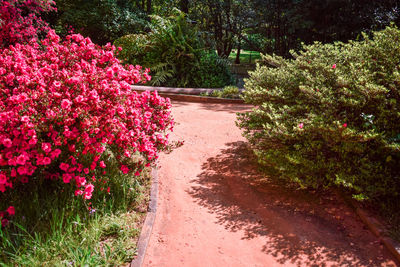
(344,125)
(57,84)
(22,170)
(124,169)
(334,66)
(7,142)
(64,166)
(102,164)
(33,141)
(66,104)
(21,160)
(66,178)
(11,210)
(46,147)
(88,191)
(55,153)
(79,99)
(89,188)
(301,125)
(3,178)
(25,119)
(46,161)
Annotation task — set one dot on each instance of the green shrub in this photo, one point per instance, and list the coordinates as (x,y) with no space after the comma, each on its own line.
(135,48)
(212,72)
(330,117)
(175,54)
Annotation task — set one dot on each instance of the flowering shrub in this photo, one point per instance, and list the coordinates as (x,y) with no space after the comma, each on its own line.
(20,21)
(330,117)
(67,110)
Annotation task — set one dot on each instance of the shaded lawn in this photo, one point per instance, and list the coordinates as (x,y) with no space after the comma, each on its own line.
(246,56)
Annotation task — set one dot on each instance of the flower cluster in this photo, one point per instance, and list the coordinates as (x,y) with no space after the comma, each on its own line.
(67,110)
(20,21)
(6,214)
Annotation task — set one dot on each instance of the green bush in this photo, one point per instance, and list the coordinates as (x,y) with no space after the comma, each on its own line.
(212,72)
(227,92)
(175,54)
(330,116)
(135,48)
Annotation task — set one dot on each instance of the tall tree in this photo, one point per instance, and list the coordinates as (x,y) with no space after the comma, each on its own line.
(223,20)
(184,6)
(148,6)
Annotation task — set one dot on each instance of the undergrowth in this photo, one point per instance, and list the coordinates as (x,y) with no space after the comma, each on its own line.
(76,233)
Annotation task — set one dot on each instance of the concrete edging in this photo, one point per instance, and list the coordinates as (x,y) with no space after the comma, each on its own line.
(147,228)
(188,94)
(375,227)
(201,99)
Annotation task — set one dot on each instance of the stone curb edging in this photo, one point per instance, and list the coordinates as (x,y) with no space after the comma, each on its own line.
(375,227)
(187,94)
(201,99)
(177,90)
(147,228)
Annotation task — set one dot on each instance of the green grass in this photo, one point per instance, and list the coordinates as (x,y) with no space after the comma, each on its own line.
(61,231)
(246,56)
(229,91)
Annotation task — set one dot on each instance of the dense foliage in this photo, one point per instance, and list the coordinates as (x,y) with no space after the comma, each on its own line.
(331,115)
(102,21)
(175,54)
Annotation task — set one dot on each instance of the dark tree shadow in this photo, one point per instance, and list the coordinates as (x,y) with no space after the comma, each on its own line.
(302,227)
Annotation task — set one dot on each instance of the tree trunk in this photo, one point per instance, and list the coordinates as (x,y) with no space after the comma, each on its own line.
(184,6)
(237,59)
(148,7)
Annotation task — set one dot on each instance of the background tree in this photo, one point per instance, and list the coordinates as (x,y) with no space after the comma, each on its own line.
(103,21)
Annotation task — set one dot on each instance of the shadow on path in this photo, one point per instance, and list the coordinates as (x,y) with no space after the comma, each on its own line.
(307,229)
(230,108)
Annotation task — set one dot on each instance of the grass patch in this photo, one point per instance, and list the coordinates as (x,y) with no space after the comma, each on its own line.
(246,56)
(99,232)
(230,91)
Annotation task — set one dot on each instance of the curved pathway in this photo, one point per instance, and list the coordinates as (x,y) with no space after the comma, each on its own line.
(215,209)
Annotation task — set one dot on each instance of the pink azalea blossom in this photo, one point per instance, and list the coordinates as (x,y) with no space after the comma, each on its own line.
(11,210)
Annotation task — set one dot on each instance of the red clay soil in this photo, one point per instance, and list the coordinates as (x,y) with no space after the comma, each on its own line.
(216,209)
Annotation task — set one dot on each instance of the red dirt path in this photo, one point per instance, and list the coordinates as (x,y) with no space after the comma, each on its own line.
(215,209)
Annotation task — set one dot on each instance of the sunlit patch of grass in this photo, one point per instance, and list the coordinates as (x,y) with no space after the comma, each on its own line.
(246,56)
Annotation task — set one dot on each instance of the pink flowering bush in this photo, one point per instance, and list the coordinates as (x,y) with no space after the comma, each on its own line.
(20,21)
(67,111)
